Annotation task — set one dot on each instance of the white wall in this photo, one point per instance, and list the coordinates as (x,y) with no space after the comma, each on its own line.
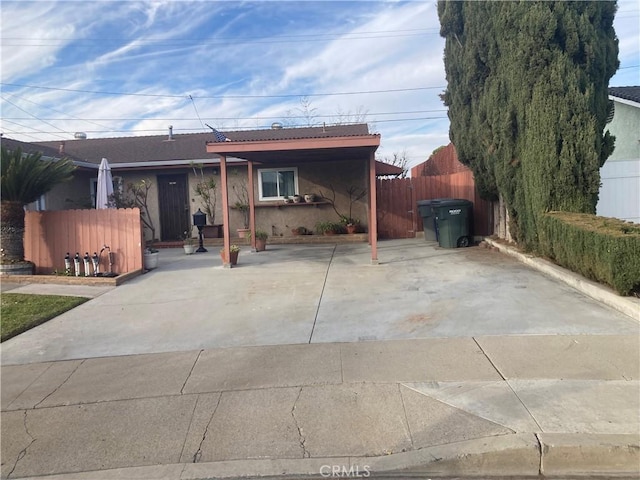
(620,175)
(620,190)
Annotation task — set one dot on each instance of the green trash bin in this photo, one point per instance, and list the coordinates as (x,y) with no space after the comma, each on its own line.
(426,211)
(454,222)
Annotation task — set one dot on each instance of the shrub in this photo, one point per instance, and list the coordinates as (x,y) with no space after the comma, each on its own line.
(606,250)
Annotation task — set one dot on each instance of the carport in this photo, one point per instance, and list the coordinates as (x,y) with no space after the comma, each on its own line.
(295,146)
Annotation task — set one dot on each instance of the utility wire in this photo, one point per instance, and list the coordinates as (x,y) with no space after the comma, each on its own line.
(297,95)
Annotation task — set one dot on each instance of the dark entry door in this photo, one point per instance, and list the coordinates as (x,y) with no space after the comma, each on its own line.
(174,206)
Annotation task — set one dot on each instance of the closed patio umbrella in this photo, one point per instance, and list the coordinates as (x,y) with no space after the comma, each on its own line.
(105,185)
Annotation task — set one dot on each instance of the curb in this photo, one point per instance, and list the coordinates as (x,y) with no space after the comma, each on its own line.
(520,454)
(601,293)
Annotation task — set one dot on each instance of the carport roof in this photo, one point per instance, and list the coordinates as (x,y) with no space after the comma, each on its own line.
(338,142)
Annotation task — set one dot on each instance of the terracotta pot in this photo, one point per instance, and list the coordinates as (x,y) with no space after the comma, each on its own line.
(242,232)
(261,245)
(233,257)
(351,229)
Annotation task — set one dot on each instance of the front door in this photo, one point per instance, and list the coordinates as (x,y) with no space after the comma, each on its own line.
(174,206)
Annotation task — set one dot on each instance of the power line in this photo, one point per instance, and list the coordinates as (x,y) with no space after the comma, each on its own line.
(297,95)
(161,130)
(273,117)
(147,42)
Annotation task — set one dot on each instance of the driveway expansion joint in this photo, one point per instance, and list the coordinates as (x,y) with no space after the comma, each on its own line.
(190,372)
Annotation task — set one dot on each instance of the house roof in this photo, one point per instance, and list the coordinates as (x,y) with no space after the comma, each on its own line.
(183,148)
(626,93)
(28,148)
(386,169)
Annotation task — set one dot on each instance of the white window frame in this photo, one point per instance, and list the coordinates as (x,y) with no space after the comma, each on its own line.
(281,169)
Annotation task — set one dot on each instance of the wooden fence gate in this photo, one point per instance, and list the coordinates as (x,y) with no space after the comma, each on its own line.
(398,215)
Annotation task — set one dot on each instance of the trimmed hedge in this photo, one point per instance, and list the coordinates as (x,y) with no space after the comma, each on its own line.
(606,250)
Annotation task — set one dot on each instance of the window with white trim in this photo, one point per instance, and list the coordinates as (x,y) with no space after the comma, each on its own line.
(277,183)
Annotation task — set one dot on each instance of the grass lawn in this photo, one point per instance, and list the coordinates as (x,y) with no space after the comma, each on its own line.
(20,311)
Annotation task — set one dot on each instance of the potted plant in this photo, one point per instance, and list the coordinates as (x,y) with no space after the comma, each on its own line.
(350,224)
(138,197)
(242,204)
(287,199)
(347,222)
(327,228)
(205,188)
(188,245)
(261,240)
(300,231)
(234,250)
(297,198)
(309,197)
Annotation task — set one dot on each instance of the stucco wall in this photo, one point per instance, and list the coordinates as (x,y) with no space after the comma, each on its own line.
(626,128)
(74,194)
(619,194)
(275,218)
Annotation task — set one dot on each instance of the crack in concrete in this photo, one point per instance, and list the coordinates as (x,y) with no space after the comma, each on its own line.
(23,452)
(541,451)
(60,386)
(305,452)
(190,372)
(198,455)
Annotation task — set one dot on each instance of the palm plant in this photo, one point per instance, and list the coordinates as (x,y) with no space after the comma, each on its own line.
(24,178)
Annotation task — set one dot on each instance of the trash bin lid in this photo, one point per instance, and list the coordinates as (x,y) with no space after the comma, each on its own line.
(432,201)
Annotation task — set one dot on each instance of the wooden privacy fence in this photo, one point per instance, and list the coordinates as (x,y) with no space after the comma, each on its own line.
(398,215)
(50,235)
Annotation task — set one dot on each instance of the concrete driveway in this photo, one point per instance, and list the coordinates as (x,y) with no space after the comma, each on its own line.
(298,294)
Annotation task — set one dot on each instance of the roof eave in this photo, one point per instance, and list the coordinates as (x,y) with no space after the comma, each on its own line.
(224,148)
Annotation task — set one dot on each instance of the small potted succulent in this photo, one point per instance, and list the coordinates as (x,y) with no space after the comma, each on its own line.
(234,250)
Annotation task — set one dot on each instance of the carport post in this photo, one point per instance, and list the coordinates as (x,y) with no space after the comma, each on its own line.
(225,211)
(373,210)
(252,209)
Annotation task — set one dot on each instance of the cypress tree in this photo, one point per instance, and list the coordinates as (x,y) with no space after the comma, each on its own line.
(527,98)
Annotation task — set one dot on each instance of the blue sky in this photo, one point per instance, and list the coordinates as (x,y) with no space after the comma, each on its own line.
(126,68)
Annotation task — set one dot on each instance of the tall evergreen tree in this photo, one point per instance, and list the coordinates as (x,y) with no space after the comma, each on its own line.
(527,98)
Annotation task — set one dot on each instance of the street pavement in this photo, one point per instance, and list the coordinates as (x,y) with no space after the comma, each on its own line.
(463,362)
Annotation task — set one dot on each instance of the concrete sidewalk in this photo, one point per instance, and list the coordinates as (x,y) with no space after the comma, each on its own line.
(496,405)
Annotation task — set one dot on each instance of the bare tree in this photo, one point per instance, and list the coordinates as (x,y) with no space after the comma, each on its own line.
(398,159)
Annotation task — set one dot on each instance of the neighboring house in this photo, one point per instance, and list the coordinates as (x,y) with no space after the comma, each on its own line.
(67,195)
(620,175)
(167,161)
